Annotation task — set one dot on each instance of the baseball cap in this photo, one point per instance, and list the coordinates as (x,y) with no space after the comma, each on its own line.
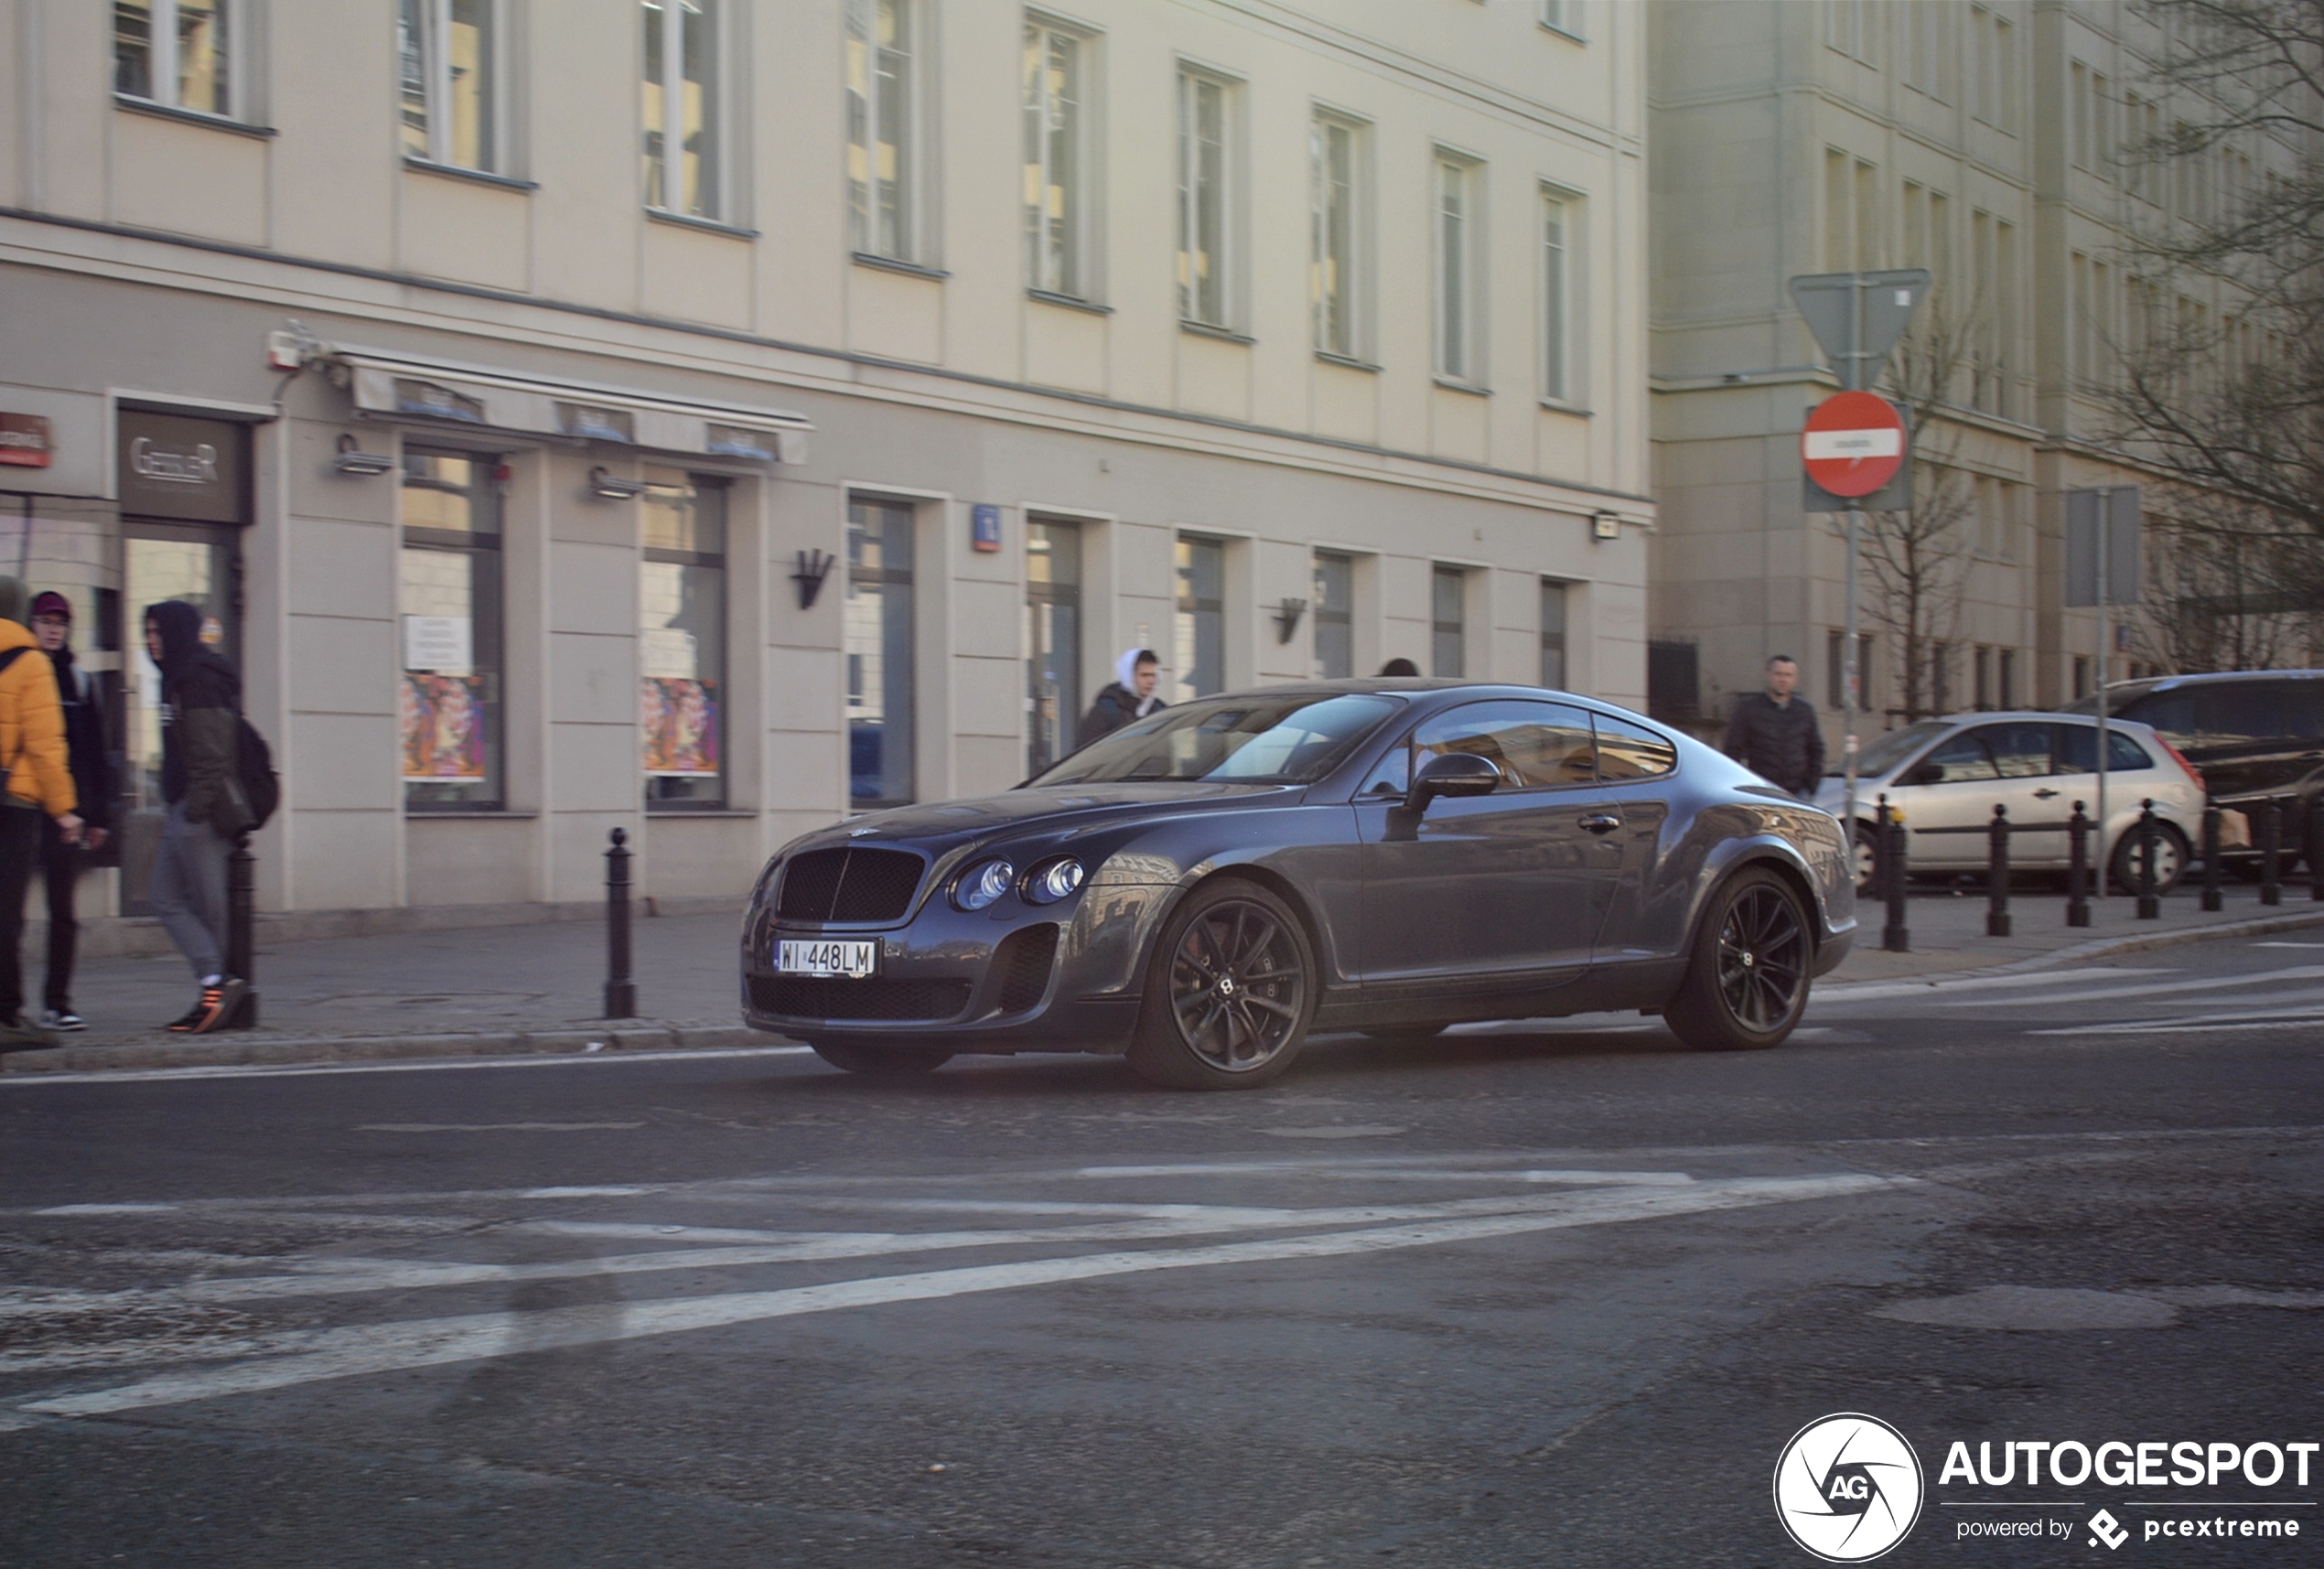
(48,602)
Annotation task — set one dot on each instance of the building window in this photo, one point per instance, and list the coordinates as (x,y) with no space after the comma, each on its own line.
(176,52)
(1994,99)
(1205,203)
(1926,43)
(880,648)
(1448,621)
(451,699)
(2005,679)
(681,107)
(450,60)
(1940,678)
(1847,28)
(1982,667)
(2081,677)
(1558,381)
(1052,640)
(1564,16)
(1056,115)
(1335,628)
(1459,266)
(1334,149)
(883,128)
(1835,669)
(682,640)
(1200,621)
(1554,604)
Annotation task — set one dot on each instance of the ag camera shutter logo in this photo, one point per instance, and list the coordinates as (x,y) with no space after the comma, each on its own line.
(1848,1488)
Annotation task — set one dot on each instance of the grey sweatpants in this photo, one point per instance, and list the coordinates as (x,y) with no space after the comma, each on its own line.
(188,891)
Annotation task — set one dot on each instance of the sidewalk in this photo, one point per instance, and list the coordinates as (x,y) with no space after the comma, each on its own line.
(523,989)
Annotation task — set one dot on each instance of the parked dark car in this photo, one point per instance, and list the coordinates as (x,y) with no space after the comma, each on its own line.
(1203,887)
(2254,736)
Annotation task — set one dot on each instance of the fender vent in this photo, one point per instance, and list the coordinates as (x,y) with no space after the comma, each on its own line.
(1025,959)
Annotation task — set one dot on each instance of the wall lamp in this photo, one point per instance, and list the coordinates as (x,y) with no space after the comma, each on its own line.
(360,464)
(604,483)
(814,565)
(1286,619)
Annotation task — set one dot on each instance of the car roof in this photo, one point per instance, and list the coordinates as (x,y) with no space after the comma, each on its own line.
(2002,715)
(1411,685)
(2206,678)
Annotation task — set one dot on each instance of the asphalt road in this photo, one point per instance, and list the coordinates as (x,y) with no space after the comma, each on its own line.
(1525,1296)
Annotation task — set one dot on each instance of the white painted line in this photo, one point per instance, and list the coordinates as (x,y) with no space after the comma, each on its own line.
(491,1128)
(1395,1174)
(2288,945)
(2152,989)
(2189,1027)
(422,1065)
(312,1356)
(1865,991)
(106,1209)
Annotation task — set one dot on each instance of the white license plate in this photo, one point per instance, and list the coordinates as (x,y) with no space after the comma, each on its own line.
(809,958)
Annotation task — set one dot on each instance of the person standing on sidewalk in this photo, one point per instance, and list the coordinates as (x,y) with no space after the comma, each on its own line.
(1775,734)
(1128,697)
(61,863)
(39,784)
(202,699)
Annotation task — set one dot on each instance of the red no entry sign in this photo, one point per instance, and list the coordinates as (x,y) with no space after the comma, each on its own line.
(1854,443)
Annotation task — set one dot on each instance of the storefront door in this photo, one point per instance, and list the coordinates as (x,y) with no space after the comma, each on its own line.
(200,564)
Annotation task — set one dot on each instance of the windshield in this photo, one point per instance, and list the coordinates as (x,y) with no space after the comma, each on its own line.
(1888,750)
(1292,739)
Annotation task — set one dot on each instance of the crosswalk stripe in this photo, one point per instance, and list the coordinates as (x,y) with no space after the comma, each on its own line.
(1938,985)
(2152,989)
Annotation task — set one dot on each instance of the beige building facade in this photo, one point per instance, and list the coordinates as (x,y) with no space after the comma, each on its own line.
(711,418)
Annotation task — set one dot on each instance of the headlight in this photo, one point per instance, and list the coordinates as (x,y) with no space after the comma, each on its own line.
(982,884)
(1051,883)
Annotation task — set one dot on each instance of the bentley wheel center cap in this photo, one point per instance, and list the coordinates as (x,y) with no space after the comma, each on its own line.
(1226,986)
(1749,960)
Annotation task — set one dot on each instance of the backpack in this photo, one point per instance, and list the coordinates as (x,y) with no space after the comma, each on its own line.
(254,766)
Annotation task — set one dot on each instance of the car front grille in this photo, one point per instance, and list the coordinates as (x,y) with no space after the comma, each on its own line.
(850,884)
(820,997)
(1024,959)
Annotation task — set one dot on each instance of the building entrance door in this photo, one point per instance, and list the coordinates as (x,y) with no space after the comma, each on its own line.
(200,564)
(1052,640)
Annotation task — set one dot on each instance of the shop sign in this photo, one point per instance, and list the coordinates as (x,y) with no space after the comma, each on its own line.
(176,466)
(25,441)
(984,528)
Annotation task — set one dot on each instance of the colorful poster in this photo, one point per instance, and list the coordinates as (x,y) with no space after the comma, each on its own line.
(678,723)
(443,727)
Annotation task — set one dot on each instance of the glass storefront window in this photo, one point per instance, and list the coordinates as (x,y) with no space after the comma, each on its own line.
(1052,640)
(682,640)
(1202,619)
(450,695)
(1335,621)
(879,651)
(1553,634)
(1448,625)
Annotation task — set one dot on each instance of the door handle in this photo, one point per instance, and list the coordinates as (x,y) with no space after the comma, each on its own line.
(1601,822)
(2044,794)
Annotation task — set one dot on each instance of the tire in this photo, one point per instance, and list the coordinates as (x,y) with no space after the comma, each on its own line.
(882,1061)
(1230,991)
(2170,860)
(1746,980)
(1866,843)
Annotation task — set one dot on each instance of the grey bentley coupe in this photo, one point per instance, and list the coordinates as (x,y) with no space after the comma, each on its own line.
(1205,887)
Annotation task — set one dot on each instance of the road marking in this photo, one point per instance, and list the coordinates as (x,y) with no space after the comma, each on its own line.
(2307,1020)
(2288,945)
(489,1127)
(1348,1131)
(1395,1174)
(2156,988)
(1868,991)
(431,1065)
(312,1356)
(106,1209)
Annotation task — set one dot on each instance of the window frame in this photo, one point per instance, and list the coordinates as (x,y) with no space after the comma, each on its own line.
(1439,574)
(904,513)
(1352,270)
(1076,280)
(474,543)
(1225,251)
(1188,606)
(1562,383)
(670,164)
(437,88)
(162,61)
(1466,367)
(914,202)
(1564,18)
(1327,614)
(1559,640)
(719,560)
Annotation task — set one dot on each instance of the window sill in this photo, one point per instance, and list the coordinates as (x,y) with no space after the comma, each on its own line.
(474,176)
(1559,406)
(191,117)
(1329,358)
(706,225)
(667,812)
(1568,34)
(1454,384)
(1223,334)
(468,814)
(1069,302)
(890,264)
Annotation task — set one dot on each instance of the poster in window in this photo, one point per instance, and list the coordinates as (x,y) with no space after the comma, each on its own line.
(443,727)
(678,720)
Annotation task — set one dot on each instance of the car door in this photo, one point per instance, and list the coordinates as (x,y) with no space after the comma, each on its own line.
(1947,800)
(1513,884)
(2022,752)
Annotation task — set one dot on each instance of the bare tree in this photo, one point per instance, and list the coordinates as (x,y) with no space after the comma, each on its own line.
(2215,594)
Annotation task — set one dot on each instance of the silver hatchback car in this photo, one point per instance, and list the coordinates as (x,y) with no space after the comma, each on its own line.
(1947,775)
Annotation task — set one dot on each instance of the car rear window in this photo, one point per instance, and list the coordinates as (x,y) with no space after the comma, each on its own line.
(1628,751)
(2078,751)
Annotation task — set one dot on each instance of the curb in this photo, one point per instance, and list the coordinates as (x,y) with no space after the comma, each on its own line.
(230,1051)
(2135,942)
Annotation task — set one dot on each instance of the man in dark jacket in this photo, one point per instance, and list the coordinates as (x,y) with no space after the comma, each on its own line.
(62,864)
(1129,695)
(201,783)
(1775,734)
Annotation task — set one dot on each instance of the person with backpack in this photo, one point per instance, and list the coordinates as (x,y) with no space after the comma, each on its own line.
(61,863)
(1127,698)
(201,783)
(39,784)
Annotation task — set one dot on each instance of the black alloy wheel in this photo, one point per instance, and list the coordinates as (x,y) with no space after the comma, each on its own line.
(905,1061)
(1746,980)
(1231,994)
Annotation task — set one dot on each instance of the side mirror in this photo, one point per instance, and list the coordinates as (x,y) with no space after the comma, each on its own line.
(1451,773)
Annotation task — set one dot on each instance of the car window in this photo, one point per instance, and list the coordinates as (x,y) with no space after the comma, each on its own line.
(1887,751)
(1964,757)
(1272,740)
(1533,744)
(2020,750)
(2303,709)
(2078,751)
(2238,711)
(2172,714)
(1628,751)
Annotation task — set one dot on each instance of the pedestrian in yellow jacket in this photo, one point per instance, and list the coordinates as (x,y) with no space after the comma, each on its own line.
(32,749)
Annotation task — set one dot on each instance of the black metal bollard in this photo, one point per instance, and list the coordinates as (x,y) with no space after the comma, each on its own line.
(2271,852)
(2150,903)
(242,934)
(1997,873)
(1894,937)
(2078,867)
(2313,810)
(620,991)
(2213,898)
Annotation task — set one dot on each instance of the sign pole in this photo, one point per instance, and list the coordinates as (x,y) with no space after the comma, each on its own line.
(2105,527)
(1852,378)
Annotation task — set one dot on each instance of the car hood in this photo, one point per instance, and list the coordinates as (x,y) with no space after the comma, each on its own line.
(943,825)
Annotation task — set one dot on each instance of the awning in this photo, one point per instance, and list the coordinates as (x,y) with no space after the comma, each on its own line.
(442,392)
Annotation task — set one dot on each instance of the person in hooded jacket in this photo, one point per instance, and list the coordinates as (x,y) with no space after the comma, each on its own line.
(39,784)
(61,863)
(1128,696)
(202,699)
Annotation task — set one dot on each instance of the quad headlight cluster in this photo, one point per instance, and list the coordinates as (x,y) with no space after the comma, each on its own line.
(983,884)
